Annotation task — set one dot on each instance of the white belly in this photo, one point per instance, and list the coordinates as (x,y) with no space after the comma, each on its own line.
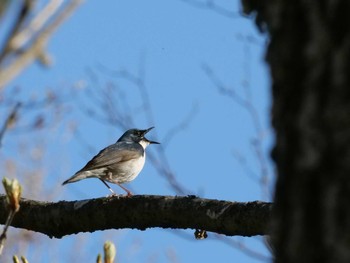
(132,170)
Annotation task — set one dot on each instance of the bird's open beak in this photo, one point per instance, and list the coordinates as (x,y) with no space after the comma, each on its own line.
(150,142)
(147,130)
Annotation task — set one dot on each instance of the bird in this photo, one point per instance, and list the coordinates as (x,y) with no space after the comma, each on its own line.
(118,163)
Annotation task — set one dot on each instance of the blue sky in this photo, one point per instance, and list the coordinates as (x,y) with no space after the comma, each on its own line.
(170,41)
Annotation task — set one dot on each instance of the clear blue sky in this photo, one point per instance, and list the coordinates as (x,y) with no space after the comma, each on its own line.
(171,40)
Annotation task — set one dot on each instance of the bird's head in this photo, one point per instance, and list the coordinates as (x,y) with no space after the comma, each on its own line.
(138,136)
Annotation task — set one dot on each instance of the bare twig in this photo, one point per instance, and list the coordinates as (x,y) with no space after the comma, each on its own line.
(228,241)
(37,24)
(13,195)
(213,6)
(23,47)
(242,247)
(246,103)
(10,120)
(245,166)
(24,12)
(180,126)
(3,234)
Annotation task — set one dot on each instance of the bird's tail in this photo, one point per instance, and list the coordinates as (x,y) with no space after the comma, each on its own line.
(75,178)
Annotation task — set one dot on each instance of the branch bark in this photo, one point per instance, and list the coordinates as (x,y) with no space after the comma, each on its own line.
(141,212)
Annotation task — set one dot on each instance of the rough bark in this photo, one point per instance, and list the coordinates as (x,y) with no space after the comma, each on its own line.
(141,212)
(309,57)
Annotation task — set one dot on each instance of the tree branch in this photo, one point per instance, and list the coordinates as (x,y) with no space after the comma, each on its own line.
(141,212)
(23,46)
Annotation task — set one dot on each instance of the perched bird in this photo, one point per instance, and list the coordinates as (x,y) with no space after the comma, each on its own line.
(118,163)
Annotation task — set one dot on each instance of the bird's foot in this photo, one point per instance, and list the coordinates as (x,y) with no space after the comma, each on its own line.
(129,194)
(113,195)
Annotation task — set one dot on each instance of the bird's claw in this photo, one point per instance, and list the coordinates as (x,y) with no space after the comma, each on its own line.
(129,194)
(113,195)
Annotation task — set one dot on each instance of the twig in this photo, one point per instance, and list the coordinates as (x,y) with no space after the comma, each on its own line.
(25,9)
(11,118)
(241,246)
(3,234)
(211,5)
(246,103)
(37,23)
(180,126)
(34,47)
(13,195)
(230,241)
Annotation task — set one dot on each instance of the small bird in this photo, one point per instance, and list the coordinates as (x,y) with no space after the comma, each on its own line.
(118,163)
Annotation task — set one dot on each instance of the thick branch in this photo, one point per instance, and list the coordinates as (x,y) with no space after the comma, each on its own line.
(141,212)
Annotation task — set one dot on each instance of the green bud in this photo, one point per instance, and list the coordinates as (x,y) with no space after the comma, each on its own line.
(13,192)
(15,259)
(24,260)
(99,258)
(110,252)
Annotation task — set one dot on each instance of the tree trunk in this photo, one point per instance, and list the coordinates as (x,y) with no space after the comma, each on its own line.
(309,57)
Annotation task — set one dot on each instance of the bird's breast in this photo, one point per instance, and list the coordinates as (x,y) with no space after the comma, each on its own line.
(137,164)
(127,171)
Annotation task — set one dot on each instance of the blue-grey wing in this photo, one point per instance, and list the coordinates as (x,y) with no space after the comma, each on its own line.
(113,154)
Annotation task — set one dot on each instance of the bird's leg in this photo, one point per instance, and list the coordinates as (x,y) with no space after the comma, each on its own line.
(110,189)
(126,190)
(110,177)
